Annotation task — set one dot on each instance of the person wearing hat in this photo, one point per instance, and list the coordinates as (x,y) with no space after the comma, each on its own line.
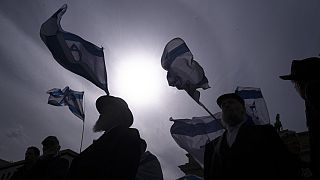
(246,150)
(51,166)
(305,75)
(116,154)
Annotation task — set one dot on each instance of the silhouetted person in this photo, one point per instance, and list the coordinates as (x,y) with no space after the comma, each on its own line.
(26,172)
(50,165)
(245,150)
(116,154)
(149,167)
(278,124)
(305,74)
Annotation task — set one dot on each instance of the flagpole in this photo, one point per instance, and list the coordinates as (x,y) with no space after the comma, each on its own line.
(82,123)
(82,136)
(204,107)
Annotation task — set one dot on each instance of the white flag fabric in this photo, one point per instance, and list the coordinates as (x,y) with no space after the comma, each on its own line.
(256,106)
(68,97)
(183,71)
(74,53)
(193,134)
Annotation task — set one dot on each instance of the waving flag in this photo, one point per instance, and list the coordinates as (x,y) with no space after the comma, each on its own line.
(183,72)
(67,97)
(74,53)
(193,134)
(256,106)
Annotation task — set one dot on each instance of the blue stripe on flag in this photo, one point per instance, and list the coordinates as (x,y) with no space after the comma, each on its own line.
(76,112)
(88,45)
(192,130)
(172,55)
(249,94)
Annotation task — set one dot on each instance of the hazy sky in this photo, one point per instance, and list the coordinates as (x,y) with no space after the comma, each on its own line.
(238,43)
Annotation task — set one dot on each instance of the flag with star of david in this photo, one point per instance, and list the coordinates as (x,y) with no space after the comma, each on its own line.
(74,53)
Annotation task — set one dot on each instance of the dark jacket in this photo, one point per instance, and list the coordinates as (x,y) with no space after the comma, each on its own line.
(53,168)
(114,156)
(257,153)
(312,103)
(149,167)
(23,173)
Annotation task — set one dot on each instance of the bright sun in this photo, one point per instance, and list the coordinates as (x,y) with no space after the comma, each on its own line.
(139,80)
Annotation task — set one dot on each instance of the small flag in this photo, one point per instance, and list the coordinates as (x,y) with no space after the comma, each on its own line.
(74,53)
(193,134)
(68,97)
(256,106)
(183,72)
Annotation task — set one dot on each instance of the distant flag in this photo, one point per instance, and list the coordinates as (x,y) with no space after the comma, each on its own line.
(74,53)
(183,71)
(255,104)
(68,97)
(193,134)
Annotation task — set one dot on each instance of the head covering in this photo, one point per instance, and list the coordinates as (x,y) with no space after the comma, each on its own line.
(50,140)
(114,107)
(305,69)
(229,96)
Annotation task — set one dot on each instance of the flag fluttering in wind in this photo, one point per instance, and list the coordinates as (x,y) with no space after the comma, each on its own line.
(68,97)
(256,106)
(183,71)
(74,53)
(193,134)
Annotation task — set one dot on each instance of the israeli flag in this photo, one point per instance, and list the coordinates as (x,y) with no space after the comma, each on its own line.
(256,106)
(67,97)
(193,134)
(74,53)
(183,71)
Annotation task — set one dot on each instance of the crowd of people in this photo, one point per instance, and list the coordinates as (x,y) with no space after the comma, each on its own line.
(243,151)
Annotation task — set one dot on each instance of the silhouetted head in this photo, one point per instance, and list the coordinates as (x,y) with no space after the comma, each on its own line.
(114,112)
(303,71)
(233,109)
(278,117)
(143,145)
(32,154)
(50,146)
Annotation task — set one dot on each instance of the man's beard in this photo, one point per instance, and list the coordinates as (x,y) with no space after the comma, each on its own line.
(232,119)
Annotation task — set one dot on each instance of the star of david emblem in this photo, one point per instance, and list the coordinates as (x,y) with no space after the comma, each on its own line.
(76,53)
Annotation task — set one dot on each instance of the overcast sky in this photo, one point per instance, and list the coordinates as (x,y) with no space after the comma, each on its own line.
(238,43)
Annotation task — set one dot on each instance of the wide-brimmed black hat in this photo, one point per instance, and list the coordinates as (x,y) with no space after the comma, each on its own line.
(229,96)
(114,107)
(305,69)
(105,103)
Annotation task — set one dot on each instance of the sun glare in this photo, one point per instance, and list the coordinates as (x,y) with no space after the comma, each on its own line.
(139,80)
